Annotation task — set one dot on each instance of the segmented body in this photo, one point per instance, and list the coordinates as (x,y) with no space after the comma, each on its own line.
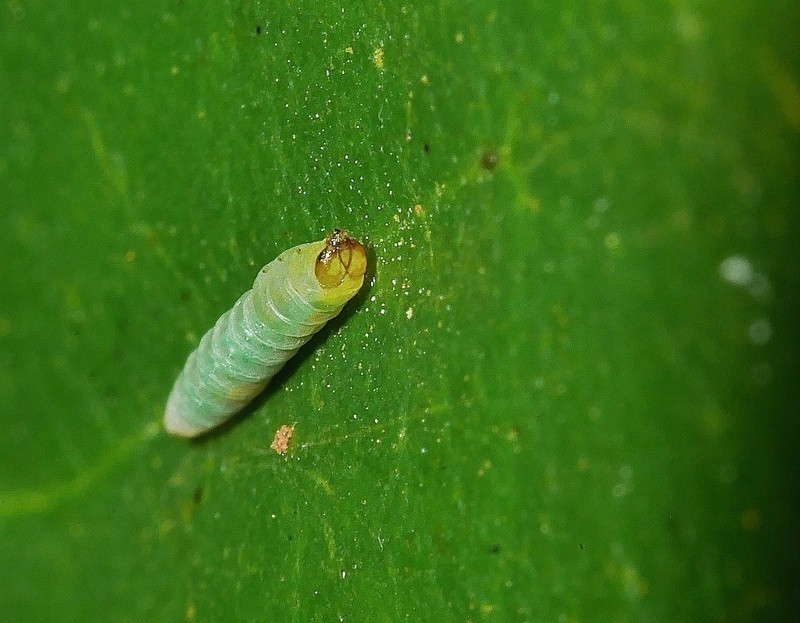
(292,298)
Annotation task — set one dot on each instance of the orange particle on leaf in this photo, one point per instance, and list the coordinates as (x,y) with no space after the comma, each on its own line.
(282,438)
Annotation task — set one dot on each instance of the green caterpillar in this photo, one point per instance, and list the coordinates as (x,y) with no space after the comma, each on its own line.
(292,298)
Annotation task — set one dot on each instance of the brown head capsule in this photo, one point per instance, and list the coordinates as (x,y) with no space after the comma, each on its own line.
(343,259)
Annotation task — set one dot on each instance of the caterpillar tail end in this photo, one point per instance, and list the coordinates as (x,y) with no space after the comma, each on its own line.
(175,423)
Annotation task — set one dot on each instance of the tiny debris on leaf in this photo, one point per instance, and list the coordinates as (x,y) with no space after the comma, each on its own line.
(282,438)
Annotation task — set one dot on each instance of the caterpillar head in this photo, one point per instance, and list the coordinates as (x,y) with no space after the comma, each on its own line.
(343,260)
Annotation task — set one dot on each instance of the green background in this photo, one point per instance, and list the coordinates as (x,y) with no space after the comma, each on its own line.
(547,405)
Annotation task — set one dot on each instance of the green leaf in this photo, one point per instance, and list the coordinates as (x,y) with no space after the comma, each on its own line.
(567,392)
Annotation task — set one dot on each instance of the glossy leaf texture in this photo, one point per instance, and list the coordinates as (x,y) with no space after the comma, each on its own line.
(566,392)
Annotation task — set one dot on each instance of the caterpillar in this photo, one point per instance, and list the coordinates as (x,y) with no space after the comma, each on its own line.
(292,298)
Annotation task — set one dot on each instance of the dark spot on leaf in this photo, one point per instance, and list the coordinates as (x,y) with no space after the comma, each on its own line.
(489,159)
(494,549)
(427,147)
(258,29)
(582,545)
(185,295)
(197,496)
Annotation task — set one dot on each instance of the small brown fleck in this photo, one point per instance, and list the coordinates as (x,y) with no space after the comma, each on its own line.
(489,159)
(282,438)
